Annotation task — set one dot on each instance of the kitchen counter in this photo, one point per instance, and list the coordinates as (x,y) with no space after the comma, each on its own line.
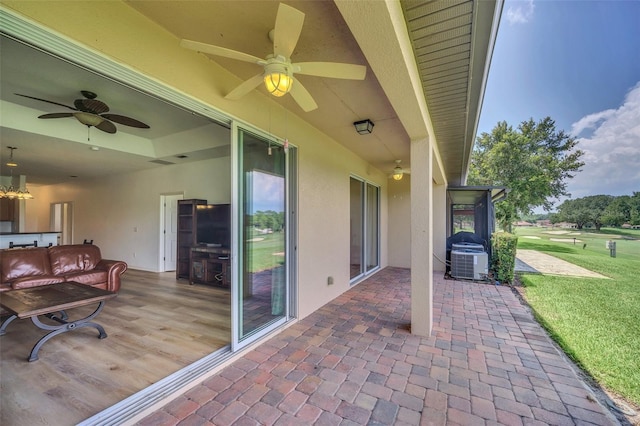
(43,239)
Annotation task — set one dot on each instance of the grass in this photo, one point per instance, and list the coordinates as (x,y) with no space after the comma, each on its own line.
(595,321)
(266,251)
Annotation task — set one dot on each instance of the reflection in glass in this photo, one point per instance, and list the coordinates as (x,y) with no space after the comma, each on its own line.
(263,291)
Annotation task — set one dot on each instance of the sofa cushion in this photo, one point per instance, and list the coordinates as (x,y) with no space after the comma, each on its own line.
(27,282)
(72,258)
(19,263)
(90,277)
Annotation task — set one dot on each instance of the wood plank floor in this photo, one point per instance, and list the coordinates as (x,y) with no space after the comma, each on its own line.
(155,326)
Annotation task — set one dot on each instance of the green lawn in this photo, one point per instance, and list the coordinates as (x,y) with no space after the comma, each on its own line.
(267,251)
(596,321)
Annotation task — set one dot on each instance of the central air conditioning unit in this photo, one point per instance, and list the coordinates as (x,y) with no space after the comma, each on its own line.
(468,246)
(469,264)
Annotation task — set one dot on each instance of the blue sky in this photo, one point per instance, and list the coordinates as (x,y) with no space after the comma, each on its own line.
(577,62)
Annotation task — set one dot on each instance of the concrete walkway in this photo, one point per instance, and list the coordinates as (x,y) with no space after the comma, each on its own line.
(354,362)
(537,262)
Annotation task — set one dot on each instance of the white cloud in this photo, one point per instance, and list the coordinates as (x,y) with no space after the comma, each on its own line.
(611,152)
(590,121)
(520,14)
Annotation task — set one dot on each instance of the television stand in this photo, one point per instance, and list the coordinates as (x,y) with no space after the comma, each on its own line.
(210,265)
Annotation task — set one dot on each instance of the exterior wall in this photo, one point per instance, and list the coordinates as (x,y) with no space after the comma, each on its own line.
(399,229)
(439,227)
(324,165)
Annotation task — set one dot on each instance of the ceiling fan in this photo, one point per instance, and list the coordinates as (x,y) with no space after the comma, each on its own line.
(91,112)
(399,171)
(278,73)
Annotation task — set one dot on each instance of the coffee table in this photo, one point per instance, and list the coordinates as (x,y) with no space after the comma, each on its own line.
(49,301)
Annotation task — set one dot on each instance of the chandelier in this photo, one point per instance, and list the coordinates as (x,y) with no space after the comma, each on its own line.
(11,192)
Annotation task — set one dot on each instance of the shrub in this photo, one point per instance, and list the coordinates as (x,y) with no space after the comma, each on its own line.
(503,256)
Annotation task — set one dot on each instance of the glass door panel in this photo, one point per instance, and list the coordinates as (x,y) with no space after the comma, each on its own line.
(372,224)
(365,228)
(356,222)
(262,297)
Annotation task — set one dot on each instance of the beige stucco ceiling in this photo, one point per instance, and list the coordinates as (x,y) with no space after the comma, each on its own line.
(423,57)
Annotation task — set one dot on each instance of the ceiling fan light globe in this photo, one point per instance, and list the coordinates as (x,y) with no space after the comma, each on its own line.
(278,83)
(397,173)
(88,119)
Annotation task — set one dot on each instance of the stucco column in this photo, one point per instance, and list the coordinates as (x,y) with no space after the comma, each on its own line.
(421,237)
(439,226)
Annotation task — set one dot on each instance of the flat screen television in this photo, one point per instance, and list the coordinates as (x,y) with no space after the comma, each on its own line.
(214,225)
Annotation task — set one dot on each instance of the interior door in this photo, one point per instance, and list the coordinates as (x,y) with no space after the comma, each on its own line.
(170,230)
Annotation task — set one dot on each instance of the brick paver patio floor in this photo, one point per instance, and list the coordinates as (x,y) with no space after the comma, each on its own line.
(354,362)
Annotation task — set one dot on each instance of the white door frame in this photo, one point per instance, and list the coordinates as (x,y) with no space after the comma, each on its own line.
(61,220)
(168,227)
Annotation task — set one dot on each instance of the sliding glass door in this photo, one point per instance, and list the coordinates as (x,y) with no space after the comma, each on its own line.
(262,293)
(365,228)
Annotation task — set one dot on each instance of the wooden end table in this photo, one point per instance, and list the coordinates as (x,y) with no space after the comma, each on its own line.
(52,299)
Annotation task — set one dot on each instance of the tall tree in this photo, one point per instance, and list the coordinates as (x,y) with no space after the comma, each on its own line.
(534,161)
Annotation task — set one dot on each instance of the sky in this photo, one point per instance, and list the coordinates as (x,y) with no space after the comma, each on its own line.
(577,62)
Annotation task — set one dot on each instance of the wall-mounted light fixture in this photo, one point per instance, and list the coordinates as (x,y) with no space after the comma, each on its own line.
(364,127)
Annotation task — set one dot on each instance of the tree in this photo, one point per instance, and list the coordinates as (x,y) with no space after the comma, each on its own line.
(586,210)
(634,209)
(534,161)
(618,211)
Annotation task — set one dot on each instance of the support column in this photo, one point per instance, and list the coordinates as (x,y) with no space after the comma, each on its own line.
(421,237)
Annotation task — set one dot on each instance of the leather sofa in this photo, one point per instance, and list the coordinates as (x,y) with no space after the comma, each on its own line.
(82,263)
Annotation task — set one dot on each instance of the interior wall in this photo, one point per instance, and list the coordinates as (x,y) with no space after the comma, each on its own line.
(324,165)
(121,214)
(399,228)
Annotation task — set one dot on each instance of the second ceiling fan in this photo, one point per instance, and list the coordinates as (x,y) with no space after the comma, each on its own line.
(278,70)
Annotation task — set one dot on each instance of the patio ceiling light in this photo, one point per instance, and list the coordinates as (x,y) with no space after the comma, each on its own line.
(363,127)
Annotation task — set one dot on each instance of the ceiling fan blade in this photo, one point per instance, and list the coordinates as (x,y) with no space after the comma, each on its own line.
(49,102)
(127,121)
(245,87)
(107,126)
(331,70)
(57,115)
(302,96)
(93,106)
(219,51)
(287,30)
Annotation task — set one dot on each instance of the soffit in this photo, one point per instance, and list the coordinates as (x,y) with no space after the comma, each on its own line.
(440,33)
(451,41)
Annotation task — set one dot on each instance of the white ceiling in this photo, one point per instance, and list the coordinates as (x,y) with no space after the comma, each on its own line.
(241,26)
(31,72)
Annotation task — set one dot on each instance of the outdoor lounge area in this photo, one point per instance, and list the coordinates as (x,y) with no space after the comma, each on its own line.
(353,321)
(354,360)
(487,362)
